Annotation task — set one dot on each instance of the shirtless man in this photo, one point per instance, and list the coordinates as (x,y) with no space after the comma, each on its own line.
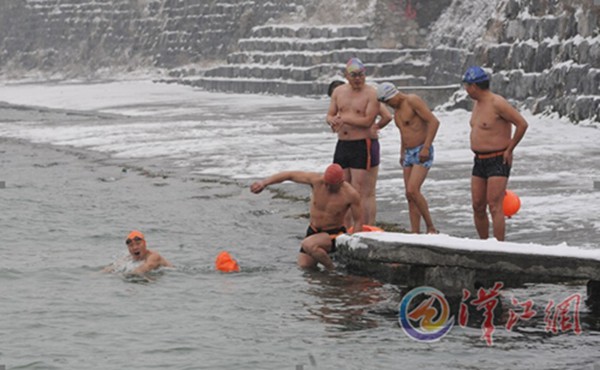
(351,115)
(418,127)
(331,199)
(384,118)
(149,260)
(493,146)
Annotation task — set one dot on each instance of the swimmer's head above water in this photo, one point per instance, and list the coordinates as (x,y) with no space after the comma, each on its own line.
(136,243)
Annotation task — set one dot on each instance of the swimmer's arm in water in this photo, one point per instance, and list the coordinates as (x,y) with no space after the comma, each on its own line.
(109,268)
(153,262)
(295,176)
(113,266)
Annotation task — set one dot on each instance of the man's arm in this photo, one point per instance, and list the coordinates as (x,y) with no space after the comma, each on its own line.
(510,114)
(422,110)
(333,119)
(357,214)
(152,262)
(371,111)
(295,176)
(386,116)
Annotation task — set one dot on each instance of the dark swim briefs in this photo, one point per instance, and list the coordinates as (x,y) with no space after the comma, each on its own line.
(333,232)
(360,154)
(490,164)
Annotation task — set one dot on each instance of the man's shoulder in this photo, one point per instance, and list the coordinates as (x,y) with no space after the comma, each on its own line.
(153,255)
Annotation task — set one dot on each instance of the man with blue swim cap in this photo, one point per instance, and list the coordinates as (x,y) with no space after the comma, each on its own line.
(493,144)
(475,75)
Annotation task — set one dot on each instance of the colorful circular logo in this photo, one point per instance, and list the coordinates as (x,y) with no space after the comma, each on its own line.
(430,320)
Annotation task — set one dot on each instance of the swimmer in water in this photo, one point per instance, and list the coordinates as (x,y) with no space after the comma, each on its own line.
(143,259)
(331,199)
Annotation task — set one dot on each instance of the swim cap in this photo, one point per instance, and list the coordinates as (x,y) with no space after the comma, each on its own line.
(135,234)
(355,65)
(334,174)
(475,75)
(386,91)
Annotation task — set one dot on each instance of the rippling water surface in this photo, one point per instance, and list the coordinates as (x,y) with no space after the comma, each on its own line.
(90,162)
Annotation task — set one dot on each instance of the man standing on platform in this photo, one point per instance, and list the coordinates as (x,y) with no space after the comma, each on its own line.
(418,127)
(491,128)
(351,115)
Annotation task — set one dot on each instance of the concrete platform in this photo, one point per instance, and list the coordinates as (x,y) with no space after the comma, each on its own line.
(452,264)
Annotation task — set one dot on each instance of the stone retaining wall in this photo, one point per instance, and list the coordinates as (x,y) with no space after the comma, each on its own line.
(544,54)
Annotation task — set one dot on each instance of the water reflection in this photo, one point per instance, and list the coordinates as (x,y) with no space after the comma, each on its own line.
(344,302)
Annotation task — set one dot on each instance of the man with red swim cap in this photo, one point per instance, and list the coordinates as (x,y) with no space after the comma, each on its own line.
(331,199)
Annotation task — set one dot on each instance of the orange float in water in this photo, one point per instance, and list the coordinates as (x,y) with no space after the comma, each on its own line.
(511,203)
(225,263)
(365,228)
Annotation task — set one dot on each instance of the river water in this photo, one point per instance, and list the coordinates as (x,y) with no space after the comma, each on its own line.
(83,164)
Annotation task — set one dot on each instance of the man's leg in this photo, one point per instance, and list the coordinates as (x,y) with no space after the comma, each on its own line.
(416,176)
(413,212)
(496,189)
(348,217)
(316,247)
(360,182)
(372,196)
(478,199)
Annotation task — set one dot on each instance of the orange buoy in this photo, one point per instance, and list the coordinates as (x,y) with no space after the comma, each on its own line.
(511,203)
(365,228)
(226,263)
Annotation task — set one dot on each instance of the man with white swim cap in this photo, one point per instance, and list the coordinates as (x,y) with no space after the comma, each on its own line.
(331,199)
(418,127)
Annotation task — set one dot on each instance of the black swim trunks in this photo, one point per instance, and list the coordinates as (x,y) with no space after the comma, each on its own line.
(333,232)
(490,164)
(360,154)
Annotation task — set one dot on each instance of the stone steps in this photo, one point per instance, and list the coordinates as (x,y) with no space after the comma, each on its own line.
(314,72)
(288,58)
(296,87)
(303,60)
(272,44)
